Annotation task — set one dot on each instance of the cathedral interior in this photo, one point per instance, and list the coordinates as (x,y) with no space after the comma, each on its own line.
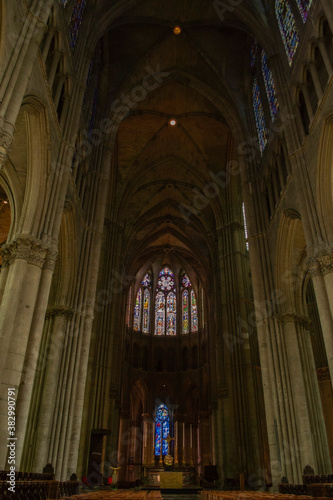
(166,238)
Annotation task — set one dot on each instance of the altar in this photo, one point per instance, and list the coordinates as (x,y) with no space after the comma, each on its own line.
(182,477)
(171,480)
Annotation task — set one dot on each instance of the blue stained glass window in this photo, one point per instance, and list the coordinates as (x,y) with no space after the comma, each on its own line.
(253,53)
(75,21)
(269,85)
(259,116)
(146,311)
(194,313)
(287,27)
(162,430)
(304,7)
(137,311)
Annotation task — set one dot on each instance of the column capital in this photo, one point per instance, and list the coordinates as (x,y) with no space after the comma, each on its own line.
(321,263)
(292,317)
(31,250)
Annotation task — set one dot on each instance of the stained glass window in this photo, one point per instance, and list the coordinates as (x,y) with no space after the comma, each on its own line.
(287,28)
(194,313)
(171,314)
(185,318)
(304,7)
(162,430)
(186,281)
(75,21)
(166,280)
(165,304)
(141,319)
(253,53)
(146,280)
(259,116)
(137,311)
(146,311)
(269,85)
(160,314)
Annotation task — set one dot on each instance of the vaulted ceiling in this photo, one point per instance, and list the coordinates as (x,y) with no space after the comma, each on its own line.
(164,194)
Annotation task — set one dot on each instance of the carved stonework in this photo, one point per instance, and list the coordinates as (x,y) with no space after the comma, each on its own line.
(50,260)
(314,267)
(296,319)
(323,374)
(321,263)
(326,263)
(25,248)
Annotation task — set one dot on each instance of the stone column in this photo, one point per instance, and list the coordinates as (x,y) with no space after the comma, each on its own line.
(187,450)
(123,443)
(194,443)
(176,441)
(145,438)
(180,444)
(51,360)
(26,257)
(30,369)
(320,267)
(310,442)
(205,452)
